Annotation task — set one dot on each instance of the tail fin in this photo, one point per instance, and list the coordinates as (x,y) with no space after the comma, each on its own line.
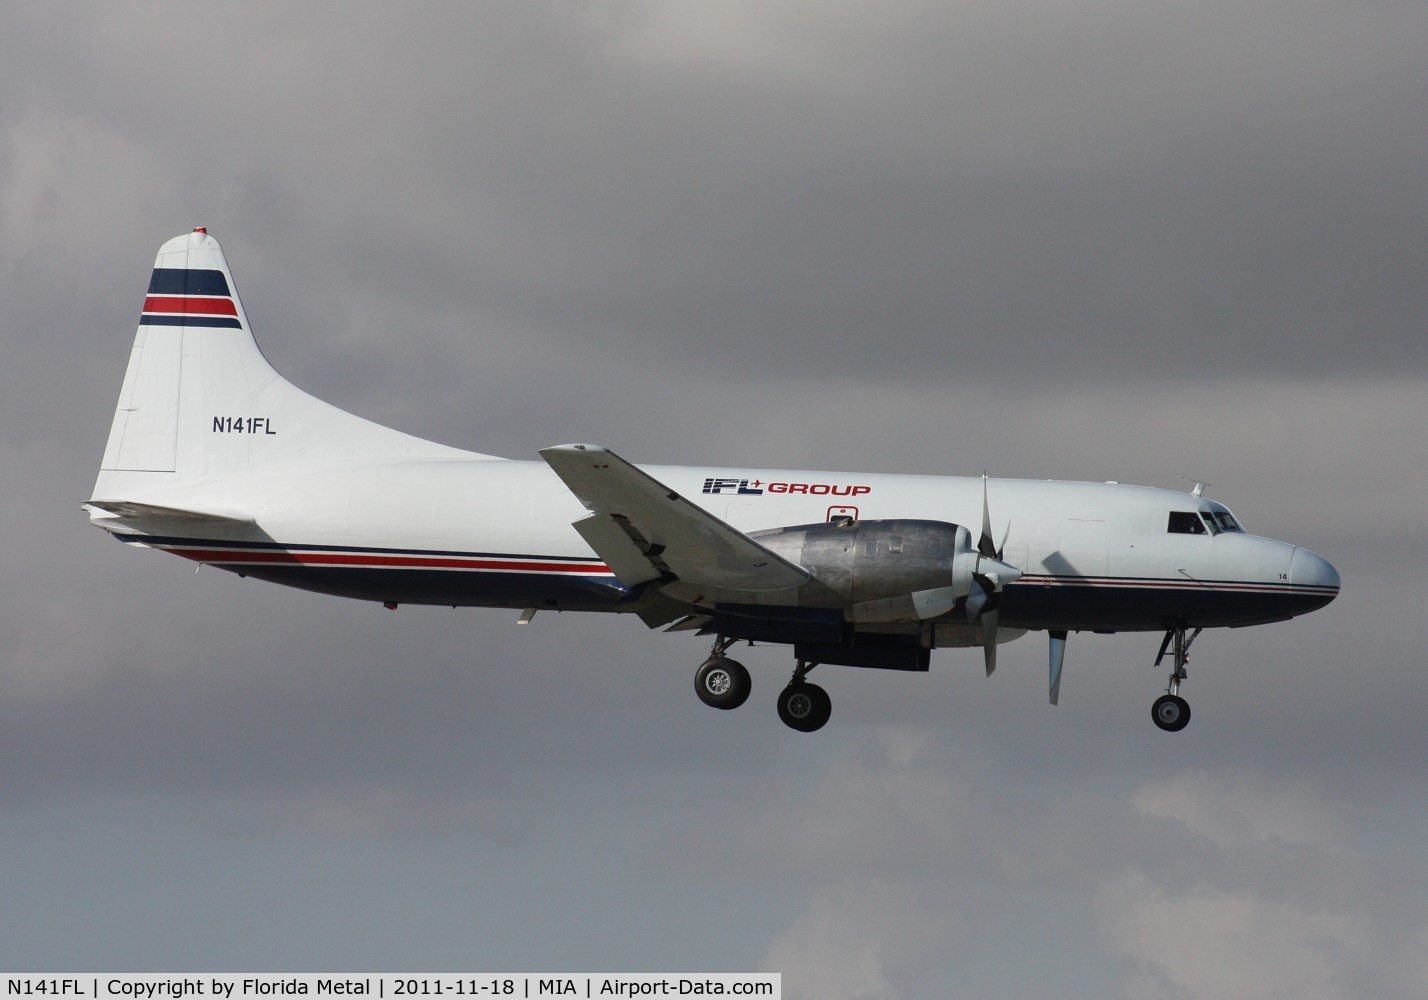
(200,400)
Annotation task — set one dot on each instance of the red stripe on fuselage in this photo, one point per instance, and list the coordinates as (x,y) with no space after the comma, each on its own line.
(377,561)
(1266,587)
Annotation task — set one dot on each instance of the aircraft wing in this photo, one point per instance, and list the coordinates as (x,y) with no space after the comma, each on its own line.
(644,530)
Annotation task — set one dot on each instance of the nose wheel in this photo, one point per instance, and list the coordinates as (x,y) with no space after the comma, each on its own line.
(1170,711)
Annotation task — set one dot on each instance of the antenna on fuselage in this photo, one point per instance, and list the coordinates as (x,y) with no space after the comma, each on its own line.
(1200,487)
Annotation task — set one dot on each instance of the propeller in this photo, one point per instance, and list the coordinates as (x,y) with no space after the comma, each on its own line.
(989,576)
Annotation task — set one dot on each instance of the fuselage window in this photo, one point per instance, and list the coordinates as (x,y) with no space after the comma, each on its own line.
(1185,522)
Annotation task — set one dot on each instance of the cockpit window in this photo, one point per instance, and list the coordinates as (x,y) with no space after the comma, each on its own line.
(1185,522)
(1226,521)
(1201,522)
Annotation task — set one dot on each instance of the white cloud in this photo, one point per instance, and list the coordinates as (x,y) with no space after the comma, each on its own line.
(1214,944)
(1244,810)
(894,788)
(857,940)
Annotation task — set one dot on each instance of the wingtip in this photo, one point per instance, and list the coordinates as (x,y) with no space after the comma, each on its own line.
(566,449)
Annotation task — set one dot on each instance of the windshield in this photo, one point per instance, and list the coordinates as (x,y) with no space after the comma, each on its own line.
(1226,520)
(1205,521)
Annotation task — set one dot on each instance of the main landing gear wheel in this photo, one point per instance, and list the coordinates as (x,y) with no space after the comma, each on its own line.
(804,706)
(722,683)
(1171,712)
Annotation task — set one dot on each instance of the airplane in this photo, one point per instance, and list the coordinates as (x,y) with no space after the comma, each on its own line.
(215,457)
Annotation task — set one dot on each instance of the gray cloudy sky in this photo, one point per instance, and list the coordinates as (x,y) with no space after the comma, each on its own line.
(1107,240)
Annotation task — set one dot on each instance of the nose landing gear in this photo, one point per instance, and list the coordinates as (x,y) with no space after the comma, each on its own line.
(1170,711)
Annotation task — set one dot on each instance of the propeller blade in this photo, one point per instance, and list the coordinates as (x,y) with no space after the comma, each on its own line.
(989,638)
(1058,655)
(988,578)
(978,598)
(985,546)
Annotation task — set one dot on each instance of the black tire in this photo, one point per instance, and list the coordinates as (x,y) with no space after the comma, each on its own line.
(722,683)
(805,707)
(1171,713)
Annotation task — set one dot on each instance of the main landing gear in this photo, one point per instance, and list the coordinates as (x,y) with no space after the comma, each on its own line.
(721,682)
(804,706)
(1170,711)
(724,683)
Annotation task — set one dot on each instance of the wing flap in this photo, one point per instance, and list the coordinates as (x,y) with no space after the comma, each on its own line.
(642,527)
(607,536)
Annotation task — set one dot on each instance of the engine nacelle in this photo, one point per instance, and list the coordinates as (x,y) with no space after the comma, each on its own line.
(879,561)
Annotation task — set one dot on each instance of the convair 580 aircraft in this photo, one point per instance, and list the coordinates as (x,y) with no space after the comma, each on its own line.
(215,457)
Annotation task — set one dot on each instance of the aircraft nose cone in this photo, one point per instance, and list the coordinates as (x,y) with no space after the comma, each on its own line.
(1314,573)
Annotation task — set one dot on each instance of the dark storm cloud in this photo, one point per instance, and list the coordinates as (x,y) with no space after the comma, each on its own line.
(985,192)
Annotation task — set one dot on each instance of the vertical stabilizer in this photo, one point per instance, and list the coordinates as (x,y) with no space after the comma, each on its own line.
(200,400)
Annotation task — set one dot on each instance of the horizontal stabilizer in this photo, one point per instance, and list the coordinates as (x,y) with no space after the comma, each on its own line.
(126,516)
(646,531)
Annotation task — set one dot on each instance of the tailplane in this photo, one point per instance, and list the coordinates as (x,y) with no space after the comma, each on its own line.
(199,399)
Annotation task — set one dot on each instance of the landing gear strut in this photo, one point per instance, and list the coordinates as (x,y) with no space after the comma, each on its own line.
(1170,711)
(804,706)
(721,682)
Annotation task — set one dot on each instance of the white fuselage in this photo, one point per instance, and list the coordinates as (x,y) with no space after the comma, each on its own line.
(489,532)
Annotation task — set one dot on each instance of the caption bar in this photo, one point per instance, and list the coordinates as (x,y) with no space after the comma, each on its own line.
(251,986)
